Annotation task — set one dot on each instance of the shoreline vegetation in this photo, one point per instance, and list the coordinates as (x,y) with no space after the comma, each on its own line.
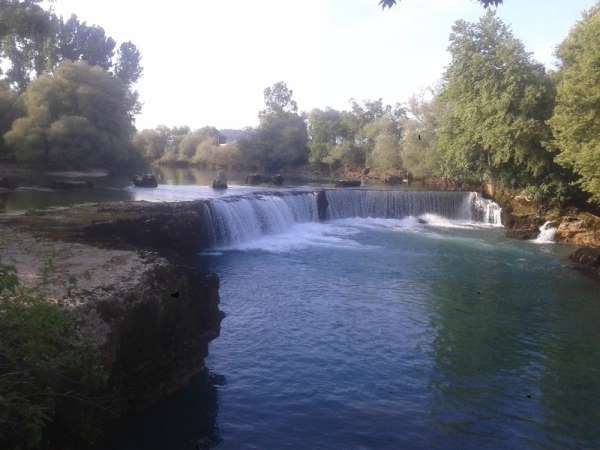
(74,343)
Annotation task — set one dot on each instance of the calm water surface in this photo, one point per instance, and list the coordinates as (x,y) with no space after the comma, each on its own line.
(388,334)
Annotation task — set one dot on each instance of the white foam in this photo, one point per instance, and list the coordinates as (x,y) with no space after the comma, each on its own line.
(547,234)
(302,236)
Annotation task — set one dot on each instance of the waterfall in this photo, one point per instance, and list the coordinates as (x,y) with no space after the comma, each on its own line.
(547,234)
(238,219)
(485,210)
(465,206)
(241,219)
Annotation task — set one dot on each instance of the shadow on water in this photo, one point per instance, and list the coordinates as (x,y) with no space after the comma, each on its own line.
(185,421)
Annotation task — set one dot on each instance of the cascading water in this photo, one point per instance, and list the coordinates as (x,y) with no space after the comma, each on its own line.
(236,220)
(547,234)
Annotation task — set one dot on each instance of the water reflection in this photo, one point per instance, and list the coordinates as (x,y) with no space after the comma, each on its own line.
(515,363)
(186,421)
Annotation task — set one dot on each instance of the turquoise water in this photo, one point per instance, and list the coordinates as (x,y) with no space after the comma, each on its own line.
(388,334)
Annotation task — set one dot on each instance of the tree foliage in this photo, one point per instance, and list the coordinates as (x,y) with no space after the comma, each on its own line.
(34,40)
(497,101)
(420,155)
(128,67)
(78,116)
(281,139)
(367,135)
(576,123)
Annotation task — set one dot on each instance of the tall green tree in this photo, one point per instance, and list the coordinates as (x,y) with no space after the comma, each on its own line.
(25,31)
(497,101)
(420,155)
(576,120)
(128,67)
(79,116)
(281,140)
(78,41)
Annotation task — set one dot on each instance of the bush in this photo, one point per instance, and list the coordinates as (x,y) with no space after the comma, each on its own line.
(52,381)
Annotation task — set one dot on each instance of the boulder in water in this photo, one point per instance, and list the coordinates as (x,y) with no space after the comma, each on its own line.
(348,183)
(147,181)
(588,259)
(220,182)
(277,180)
(71,184)
(322,205)
(393,180)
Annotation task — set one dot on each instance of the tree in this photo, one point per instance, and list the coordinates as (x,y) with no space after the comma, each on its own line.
(575,122)
(128,67)
(486,3)
(77,41)
(25,29)
(278,99)
(326,130)
(79,116)
(420,155)
(497,100)
(10,109)
(152,144)
(189,144)
(281,140)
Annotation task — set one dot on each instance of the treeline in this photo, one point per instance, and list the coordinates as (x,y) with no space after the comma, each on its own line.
(66,96)
(497,116)
(369,134)
(279,142)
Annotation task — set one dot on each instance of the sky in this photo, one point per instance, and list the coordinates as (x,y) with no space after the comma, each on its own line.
(207,62)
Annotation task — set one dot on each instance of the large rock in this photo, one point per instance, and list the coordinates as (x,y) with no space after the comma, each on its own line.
(392,180)
(322,205)
(220,182)
(582,230)
(348,183)
(277,180)
(587,259)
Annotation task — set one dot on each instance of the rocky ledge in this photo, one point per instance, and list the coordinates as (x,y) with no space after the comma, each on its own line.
(523,219)
(151,313)
(587,259)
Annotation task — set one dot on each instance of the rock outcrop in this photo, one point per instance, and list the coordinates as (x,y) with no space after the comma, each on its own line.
(587,259)
(150,311)
(582,230)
